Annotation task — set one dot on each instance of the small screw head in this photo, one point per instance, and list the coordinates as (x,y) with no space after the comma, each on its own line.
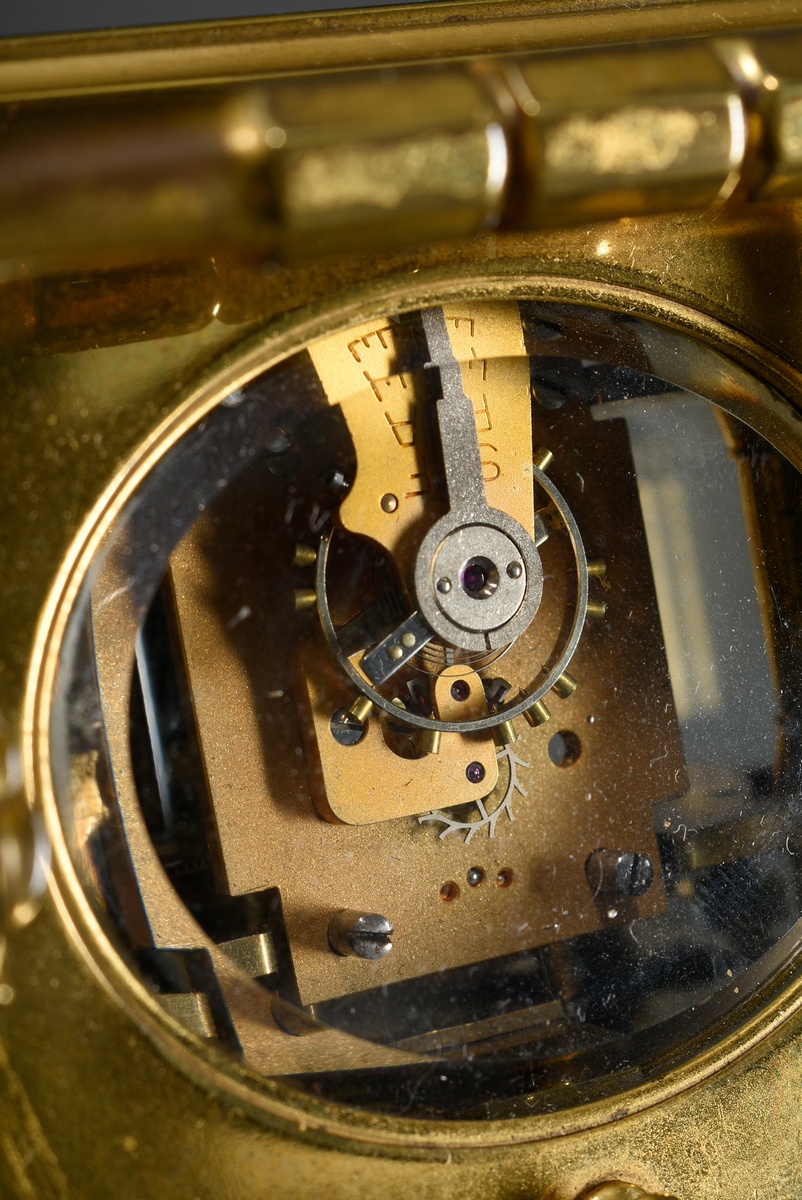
(475,876)
(634,873)
(345,728)
(334,479)
(496,690)
(474,772)
(618,874)
(515,570)
(365,935)
(389,502)
(444,586)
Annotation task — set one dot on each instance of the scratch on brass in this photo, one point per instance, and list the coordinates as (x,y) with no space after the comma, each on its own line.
(27,1163)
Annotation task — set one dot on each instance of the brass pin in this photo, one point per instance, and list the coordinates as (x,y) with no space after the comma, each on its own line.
(427,741)
(597,568)
(565,685)
(596,610)
(505,733)
(360,709)
(538,714)
(542,458)
(304,556)
(305,598)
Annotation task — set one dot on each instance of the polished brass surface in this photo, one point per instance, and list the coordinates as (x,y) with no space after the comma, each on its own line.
(542,457)
(101,1093)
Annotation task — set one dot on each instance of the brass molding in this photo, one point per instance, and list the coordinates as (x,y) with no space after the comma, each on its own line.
(178,55)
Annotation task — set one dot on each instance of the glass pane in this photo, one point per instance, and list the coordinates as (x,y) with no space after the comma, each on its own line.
(427,733)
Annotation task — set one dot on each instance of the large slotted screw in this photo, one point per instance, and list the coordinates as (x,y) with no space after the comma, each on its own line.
(365,935)
(619,873)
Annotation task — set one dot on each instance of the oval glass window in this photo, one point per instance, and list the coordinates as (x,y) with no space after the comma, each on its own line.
(427,732)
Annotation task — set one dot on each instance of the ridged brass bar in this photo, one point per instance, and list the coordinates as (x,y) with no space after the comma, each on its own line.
(341,163)
(349,162)
(623,133)
(138,60)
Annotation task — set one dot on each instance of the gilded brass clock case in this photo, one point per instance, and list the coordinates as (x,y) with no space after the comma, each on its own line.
(84,1045)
